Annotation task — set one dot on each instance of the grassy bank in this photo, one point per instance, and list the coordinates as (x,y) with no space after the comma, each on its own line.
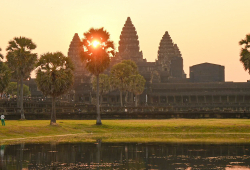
(168,130)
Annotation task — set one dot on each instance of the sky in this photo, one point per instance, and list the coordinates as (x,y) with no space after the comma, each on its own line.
(205,31)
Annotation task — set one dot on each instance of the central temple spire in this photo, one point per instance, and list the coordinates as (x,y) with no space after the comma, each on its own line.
(166,49)
(129,43)
(169,57)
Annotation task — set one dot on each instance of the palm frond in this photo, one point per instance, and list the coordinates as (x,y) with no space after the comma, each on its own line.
(97,59)
(55,74)
(1,56)
(245,54)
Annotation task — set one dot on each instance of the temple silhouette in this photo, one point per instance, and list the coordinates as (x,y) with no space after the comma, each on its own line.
(167,68)
(166,82)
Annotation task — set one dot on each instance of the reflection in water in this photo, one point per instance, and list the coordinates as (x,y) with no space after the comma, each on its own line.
(237,168)
(2,153)
(125,156)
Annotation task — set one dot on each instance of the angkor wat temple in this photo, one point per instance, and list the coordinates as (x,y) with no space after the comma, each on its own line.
(166,82)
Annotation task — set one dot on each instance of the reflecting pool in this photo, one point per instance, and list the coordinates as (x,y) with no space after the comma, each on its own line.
(125,156)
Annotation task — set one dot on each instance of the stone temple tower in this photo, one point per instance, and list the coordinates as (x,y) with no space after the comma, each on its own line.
(74,52)
(82,78)
(129,44)
(166,51)
(169,57)
(177,51)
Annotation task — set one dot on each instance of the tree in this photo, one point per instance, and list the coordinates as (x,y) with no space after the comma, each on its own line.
(132,64)
(98,48)
(12,63)
(1,56)
(104,85)
(22,61)
(119,76)
(136,86)
(134,71)
(5,74)
(12,89)
(245,54)
(54,77)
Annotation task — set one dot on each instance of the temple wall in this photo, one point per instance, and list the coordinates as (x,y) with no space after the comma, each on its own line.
(207,72)
(89,113)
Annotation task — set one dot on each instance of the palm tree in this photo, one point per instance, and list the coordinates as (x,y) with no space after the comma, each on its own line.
(22,61)
(136,86)
(1,56)
(54,77)
(245,54)
(98,48)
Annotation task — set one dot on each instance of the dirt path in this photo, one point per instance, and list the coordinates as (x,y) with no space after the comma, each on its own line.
(109,134)
(12,139)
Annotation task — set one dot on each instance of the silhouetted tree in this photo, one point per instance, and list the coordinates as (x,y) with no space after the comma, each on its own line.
(134,72)
(119,76)
(12,89)
(54,77)
(136,86)
(12,63)
(245,54)
(5,76)
(21,61)
(132,64)
(1,56)
(98,48)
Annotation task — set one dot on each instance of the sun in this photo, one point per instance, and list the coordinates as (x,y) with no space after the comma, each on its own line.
(95,43)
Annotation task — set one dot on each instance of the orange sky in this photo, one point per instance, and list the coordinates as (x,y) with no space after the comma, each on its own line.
(205,31)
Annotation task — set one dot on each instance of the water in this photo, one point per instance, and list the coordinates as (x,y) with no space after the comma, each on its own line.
(132,156)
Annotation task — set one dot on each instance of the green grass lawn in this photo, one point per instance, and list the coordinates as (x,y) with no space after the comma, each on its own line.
(167,130)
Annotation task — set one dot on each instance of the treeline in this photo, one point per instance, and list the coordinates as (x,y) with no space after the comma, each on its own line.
(123,76)
(54,75)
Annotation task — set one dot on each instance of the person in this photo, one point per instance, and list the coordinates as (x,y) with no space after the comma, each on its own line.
(2,119)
